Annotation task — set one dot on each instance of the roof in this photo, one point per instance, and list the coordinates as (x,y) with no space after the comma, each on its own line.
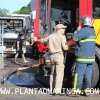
(11,17)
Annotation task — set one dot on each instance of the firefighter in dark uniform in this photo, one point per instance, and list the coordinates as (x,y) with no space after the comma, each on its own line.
(85,53)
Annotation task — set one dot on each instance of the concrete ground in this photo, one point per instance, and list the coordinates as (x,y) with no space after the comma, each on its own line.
(46,97)
(19,93)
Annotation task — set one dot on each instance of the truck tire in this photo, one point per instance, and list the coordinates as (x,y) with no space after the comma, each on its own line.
(96,75)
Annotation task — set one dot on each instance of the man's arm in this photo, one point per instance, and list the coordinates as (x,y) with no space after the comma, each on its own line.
(64,43)
(79,35)
(45,39)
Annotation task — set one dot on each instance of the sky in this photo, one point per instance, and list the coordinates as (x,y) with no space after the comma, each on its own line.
(13,5)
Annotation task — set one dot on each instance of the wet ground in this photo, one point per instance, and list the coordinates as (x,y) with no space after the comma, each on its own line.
(20,73)
(17,76)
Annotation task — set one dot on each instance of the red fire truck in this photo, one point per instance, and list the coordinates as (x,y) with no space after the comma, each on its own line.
(46,12)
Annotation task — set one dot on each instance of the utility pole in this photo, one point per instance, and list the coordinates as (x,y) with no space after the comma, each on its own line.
(1,48)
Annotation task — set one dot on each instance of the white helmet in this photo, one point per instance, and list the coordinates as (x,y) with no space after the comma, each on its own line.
(87,21)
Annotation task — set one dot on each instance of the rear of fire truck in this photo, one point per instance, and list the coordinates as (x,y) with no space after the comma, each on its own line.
(48,13)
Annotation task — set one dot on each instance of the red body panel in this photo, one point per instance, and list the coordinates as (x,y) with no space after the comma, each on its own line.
(36,21)
(85,8)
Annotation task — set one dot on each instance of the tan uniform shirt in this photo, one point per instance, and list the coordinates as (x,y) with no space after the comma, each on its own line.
(56,42)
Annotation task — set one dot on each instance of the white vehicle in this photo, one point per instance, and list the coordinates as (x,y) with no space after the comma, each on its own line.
(11,27)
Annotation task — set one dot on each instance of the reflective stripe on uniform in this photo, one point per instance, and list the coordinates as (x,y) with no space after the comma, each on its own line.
(85,59)
(87,40)
(75,80)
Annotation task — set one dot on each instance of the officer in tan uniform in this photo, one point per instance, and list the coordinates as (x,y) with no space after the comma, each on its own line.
(57,43)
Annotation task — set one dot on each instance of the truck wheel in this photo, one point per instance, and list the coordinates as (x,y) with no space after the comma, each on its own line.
(96,75)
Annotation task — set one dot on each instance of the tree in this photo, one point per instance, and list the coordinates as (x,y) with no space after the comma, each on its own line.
(3,12)
(24,9)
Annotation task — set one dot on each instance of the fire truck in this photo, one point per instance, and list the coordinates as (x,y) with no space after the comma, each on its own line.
(47,13)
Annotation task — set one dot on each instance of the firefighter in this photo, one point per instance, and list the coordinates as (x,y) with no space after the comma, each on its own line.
(85,38)
(56,45)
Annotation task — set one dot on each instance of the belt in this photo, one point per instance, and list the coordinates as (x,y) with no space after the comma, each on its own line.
(59,52)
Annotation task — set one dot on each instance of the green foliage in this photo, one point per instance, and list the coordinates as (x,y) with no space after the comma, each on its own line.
(3,12)
(24,10)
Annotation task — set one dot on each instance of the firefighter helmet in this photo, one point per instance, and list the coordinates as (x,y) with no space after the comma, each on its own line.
(87,21)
